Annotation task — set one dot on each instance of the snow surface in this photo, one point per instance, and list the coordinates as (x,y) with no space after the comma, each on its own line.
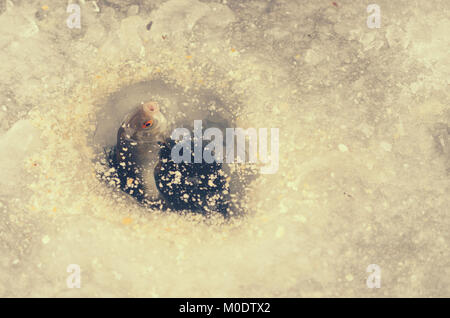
(364,123)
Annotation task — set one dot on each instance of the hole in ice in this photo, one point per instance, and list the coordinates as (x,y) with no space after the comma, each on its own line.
(138,155)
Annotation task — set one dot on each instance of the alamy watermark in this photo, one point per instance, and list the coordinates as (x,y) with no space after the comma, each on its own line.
(214,150)
(374,19)
(74,20)
(374,279)
(74,279)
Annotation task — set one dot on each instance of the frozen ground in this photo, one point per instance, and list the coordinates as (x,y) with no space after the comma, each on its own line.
(364,153)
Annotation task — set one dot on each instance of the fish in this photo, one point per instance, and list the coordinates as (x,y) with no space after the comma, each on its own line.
(139,138)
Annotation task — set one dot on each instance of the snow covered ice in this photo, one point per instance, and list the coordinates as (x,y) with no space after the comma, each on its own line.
(364,156)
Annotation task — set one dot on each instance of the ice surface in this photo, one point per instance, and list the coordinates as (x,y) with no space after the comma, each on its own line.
(364,147)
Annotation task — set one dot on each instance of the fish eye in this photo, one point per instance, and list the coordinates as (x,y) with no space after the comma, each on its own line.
(147,124)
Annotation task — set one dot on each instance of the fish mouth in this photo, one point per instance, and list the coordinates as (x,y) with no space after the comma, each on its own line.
(151,108)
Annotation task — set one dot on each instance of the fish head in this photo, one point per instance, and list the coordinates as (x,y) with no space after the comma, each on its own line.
(146,125)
